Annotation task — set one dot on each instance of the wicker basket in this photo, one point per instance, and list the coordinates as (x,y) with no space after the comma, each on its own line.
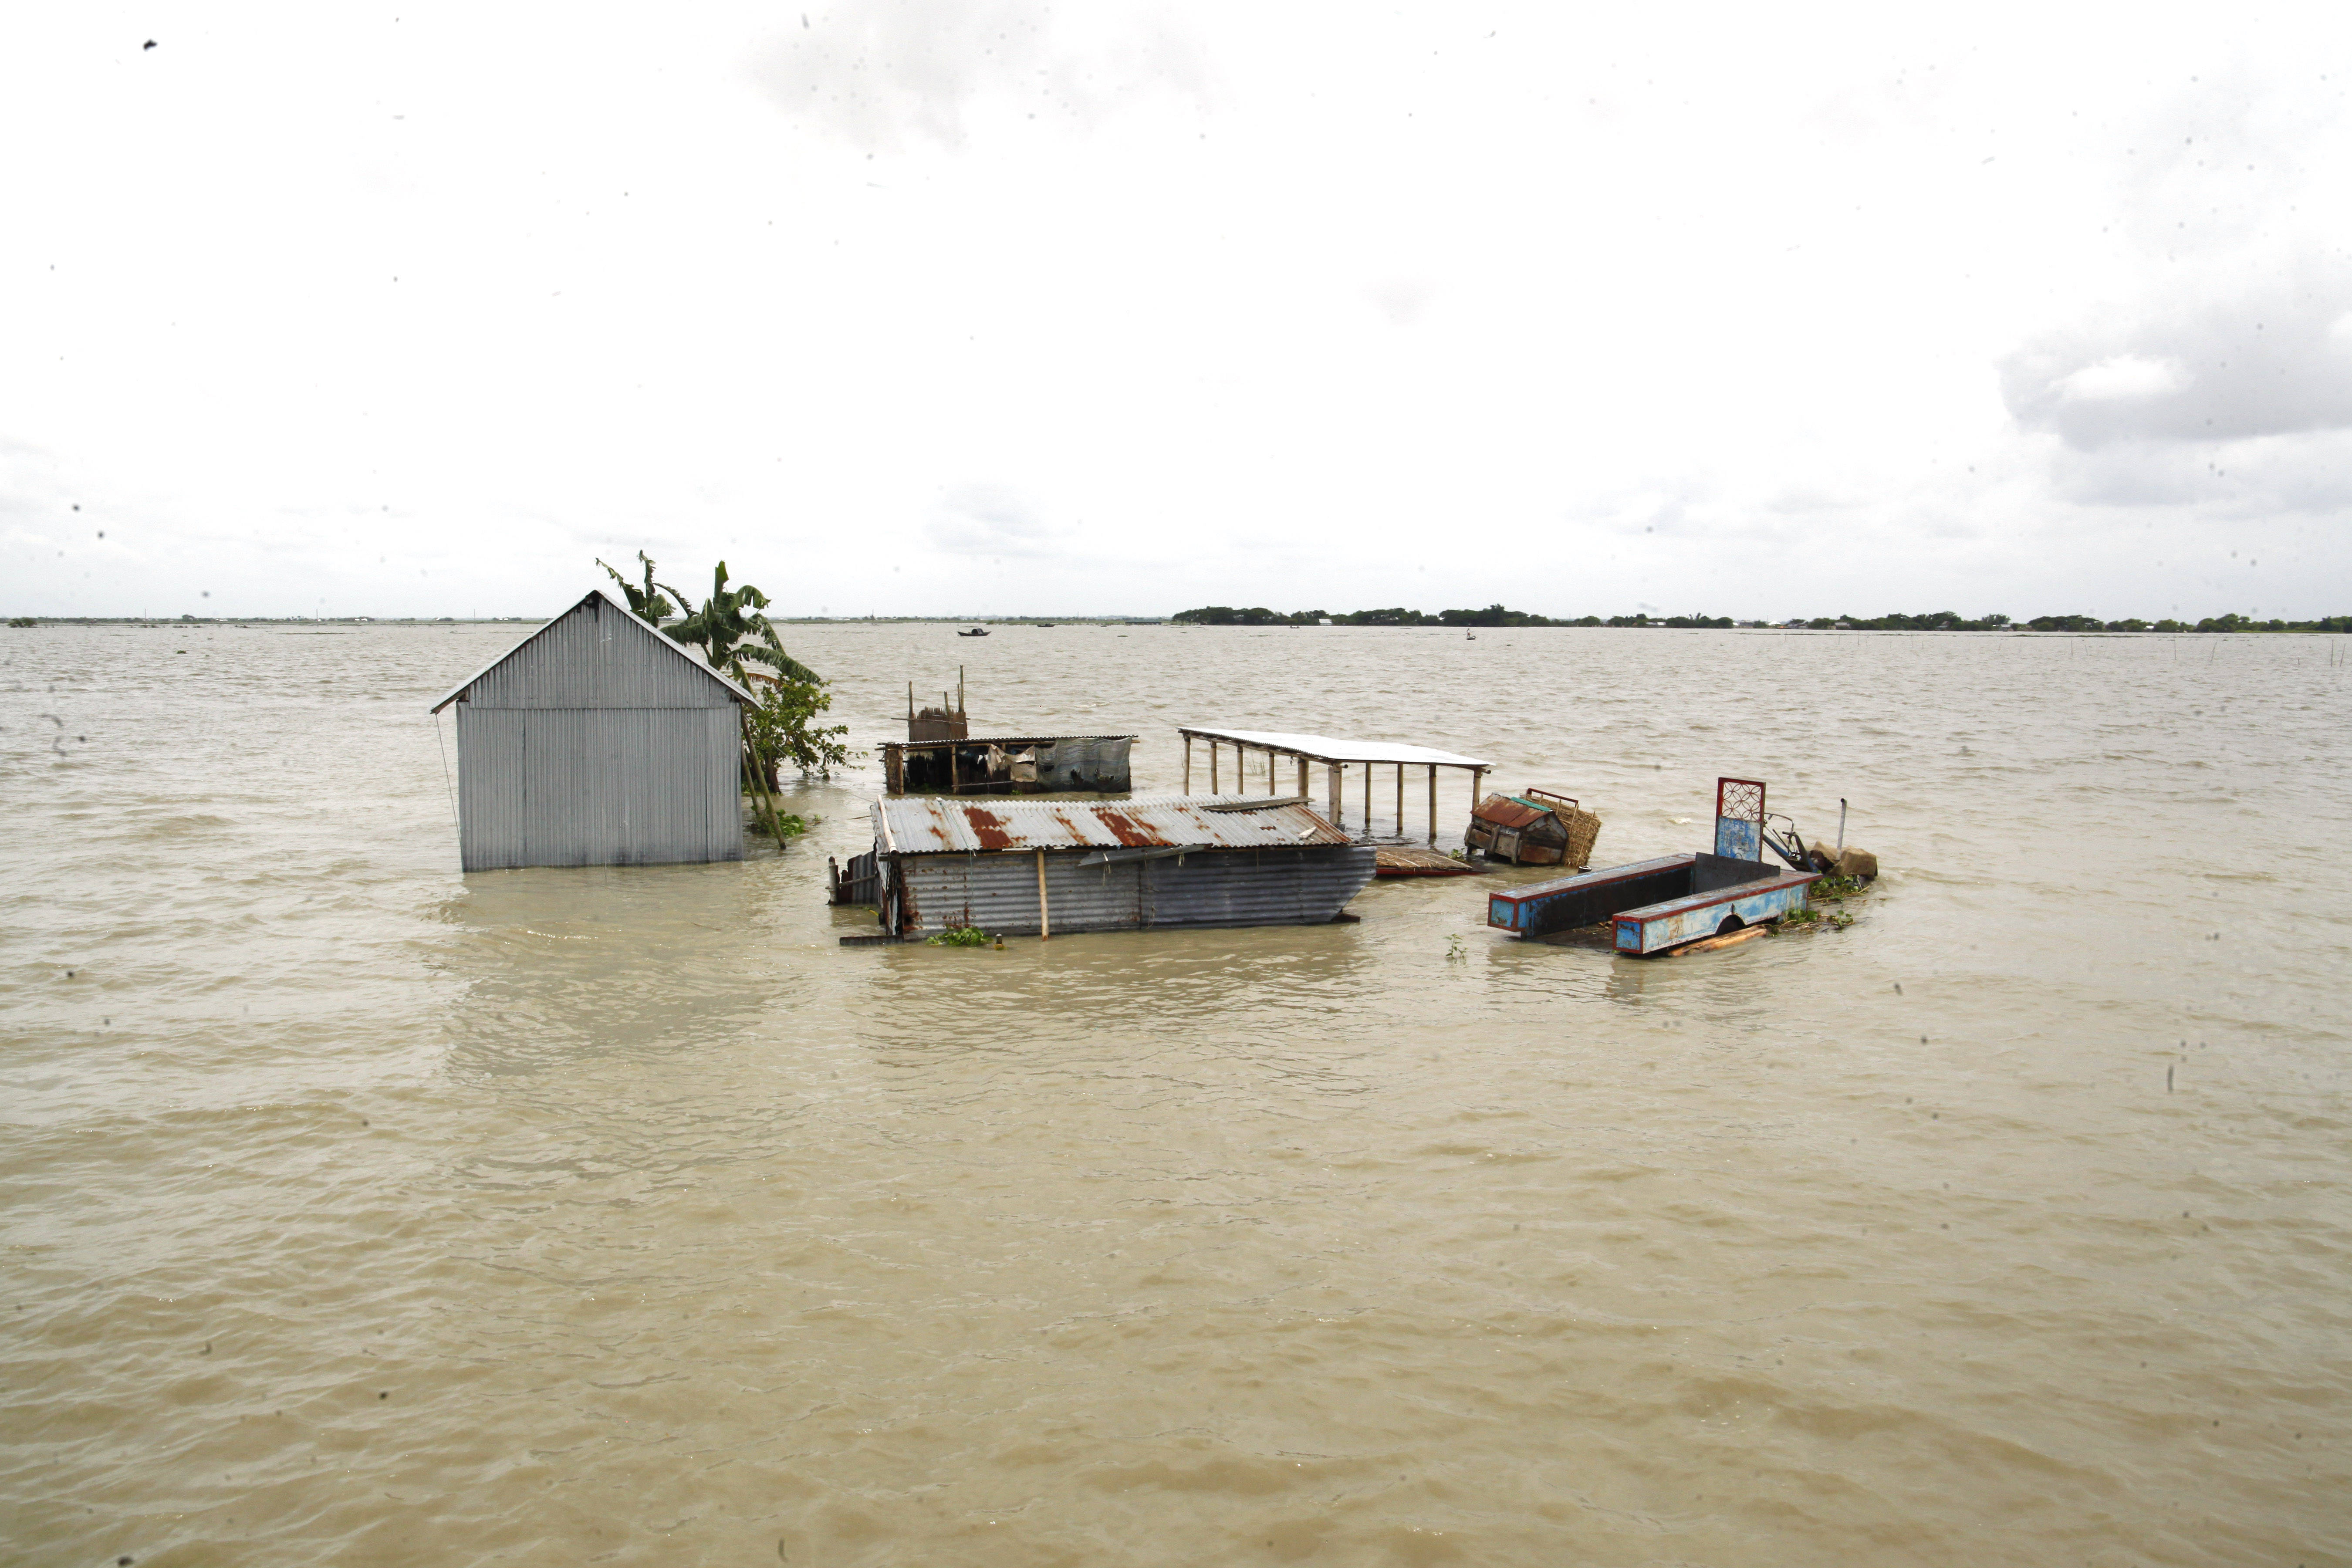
(1584,827)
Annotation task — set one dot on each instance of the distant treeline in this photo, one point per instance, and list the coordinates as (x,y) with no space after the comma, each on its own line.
(1936,621)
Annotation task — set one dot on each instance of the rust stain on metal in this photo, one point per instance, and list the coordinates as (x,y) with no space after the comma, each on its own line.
(1504,812)
(1131,833)
(988,827)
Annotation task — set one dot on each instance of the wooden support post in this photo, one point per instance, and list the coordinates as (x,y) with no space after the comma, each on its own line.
(1269,770)
(955,777)
(1213,767)
(1302,792)
(1332,781)
(1045,921)
(1399,800)
(1188,764)
(1476,775)
(1432,806)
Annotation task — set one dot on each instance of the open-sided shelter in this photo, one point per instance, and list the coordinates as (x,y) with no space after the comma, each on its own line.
(597,741)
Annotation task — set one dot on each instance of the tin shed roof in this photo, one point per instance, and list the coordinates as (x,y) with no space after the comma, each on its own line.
(1510,811)
(930,824)
(1331,748)
(599,592)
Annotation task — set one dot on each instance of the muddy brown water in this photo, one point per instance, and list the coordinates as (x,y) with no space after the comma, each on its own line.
(359,1212)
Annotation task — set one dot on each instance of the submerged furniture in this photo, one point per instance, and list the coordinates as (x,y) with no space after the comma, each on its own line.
(1661,904)
(1041,867)
(1534,827)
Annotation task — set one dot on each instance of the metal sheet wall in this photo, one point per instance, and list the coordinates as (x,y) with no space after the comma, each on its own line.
(997,892)
(598,657)
(597,786)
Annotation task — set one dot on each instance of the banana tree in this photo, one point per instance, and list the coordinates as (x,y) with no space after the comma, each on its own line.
(652,601)
(734,636)
(732,633)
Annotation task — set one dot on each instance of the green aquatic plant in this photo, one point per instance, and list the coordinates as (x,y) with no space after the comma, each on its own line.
(958,936)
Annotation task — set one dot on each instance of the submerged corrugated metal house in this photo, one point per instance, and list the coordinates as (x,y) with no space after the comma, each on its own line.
(1016,866)
(597,741)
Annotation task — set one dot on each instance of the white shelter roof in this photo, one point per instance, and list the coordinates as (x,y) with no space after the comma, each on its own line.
(1331,748)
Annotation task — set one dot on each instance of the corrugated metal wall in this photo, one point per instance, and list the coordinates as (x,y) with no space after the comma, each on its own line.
(596,743)
(997,892)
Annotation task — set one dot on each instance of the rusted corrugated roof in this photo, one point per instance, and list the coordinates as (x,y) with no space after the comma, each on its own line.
(932,825)
(1510,810)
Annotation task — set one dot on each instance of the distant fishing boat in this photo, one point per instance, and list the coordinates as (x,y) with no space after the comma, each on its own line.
(975,632)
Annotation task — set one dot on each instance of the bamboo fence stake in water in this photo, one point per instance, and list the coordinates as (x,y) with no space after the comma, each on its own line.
(1432,807)
(1044,924)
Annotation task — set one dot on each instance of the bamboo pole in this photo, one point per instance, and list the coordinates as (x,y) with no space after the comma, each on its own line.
(1044,923)
(1432,807)
(1213,767)
(1188,764)
(1399,800)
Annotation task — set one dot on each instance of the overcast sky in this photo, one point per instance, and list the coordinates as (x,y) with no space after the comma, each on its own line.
(904,306)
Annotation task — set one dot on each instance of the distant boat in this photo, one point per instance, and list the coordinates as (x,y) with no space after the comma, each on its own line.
(975,632)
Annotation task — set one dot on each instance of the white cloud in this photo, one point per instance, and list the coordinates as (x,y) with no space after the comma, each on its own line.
(2123,376)
(883,74)
(996,521)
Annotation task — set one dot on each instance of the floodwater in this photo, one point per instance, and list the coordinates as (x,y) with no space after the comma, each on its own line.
(359,1212)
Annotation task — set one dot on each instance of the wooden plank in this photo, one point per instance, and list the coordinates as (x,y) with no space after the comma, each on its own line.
(1729,939)
(1411,860)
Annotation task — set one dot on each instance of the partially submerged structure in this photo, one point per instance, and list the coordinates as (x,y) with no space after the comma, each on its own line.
(1009,764)
(1656,905)
(597,741)
(1045,868)
(1336,755)
(1534,827)
(940,755)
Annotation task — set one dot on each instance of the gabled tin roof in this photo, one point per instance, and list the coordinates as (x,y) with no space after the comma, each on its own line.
(620,604)
(932,825)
